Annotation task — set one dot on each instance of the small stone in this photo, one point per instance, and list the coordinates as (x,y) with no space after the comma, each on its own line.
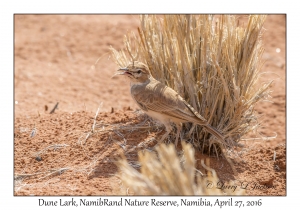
(38,158)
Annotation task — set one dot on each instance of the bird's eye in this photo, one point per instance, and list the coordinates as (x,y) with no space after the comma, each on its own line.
(139,71)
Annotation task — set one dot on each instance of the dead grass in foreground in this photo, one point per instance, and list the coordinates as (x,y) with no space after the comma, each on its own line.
(163,172)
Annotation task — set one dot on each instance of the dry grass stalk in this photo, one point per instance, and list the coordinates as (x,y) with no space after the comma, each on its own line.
(168,174)
(49,173)
(210,61)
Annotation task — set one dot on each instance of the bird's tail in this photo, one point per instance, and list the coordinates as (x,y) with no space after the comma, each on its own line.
(215,132)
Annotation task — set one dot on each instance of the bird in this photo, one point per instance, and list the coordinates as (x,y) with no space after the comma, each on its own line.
(161,102)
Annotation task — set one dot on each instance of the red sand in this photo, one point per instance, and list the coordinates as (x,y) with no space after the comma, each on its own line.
(55,58)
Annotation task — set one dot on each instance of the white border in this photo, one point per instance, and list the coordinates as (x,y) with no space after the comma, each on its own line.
(153,6)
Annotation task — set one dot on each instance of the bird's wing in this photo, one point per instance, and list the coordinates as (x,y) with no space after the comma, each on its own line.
(160,98)
(194,111)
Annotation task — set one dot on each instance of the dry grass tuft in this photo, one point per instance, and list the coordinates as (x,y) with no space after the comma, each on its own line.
(210,61)
(166,173)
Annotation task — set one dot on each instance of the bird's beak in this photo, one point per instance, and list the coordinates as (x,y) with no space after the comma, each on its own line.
(125,71)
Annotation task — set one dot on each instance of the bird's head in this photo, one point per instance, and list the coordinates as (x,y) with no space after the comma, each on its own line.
(137,72)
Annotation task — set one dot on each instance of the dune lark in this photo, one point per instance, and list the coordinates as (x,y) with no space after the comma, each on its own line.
(162,102)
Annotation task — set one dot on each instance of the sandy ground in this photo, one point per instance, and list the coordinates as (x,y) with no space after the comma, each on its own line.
(65,59)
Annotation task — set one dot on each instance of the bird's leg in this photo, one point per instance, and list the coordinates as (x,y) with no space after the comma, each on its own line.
(168,131)
(178,126)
